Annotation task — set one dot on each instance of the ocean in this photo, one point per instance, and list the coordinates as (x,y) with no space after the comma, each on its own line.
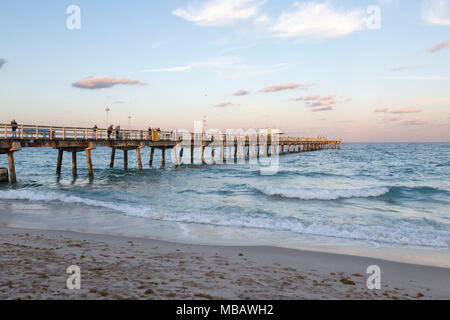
(365,195)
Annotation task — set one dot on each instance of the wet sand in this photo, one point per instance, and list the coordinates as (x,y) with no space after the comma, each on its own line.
(33,265)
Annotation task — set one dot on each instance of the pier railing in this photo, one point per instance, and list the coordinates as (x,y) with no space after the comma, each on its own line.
(42,132)
(39,132)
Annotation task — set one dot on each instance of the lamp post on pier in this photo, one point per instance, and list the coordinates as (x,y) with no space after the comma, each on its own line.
(107,116)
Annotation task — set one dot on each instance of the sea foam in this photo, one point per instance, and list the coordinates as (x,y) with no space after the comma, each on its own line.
(321,193)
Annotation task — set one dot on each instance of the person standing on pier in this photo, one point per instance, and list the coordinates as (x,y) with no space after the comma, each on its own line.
(14,126)
(95,129)
(150,130)
(110,130)
(117,132)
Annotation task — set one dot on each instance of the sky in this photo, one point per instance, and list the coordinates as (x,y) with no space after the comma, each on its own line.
(357,70)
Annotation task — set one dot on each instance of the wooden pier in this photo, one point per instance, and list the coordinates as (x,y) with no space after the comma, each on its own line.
(238,147)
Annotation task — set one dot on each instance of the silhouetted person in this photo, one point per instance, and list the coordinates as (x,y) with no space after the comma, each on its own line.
(14,126)
(110,130)
(117,129)
(95,129)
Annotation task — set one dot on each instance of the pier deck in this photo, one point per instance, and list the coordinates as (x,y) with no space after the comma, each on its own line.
(238,145)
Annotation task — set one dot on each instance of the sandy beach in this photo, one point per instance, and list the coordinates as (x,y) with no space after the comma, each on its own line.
(33,265)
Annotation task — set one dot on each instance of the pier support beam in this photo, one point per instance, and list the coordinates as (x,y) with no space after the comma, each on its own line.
(163,157)
(175,157)
(138,155)
(181,155)
(12,168)
(152,153)
(89,162)
(125,159)
(192,148)
(203,154)
(59,163)
(113,154)
(74,163)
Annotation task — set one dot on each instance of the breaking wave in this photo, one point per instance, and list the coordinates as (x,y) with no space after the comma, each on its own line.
(321,193)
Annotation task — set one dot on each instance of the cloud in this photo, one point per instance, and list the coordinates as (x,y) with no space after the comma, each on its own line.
(406,110)
(325,101)
(2,62)
(439,47)
(219,13)
(282,87)
(398,69)
(436,12)
(212,63)
(103,82)
(327,108)
(241,93)
(319,104)
(382,110)
(414,122)
(171,69)
(308,98)
(224,104)
(318,21)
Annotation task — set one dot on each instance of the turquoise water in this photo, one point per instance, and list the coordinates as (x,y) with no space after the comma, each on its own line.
(379,194)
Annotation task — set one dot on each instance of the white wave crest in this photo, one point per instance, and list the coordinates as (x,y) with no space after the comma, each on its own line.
(321,193)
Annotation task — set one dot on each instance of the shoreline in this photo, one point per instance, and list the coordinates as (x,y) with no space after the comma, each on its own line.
(34,263)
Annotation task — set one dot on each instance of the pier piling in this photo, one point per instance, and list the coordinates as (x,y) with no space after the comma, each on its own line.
(125,159)
(152,153)
(138,155)
(59,163)
(163,157)
(12,168)
(74,163)
(89,162)
(113,155)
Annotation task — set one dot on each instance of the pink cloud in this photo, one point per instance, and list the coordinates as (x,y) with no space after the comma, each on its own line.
(282,87)
(241,93)
(103,82)
(308,98)
(398,69)
(439,47)
(414,122)
(223,105)
(327,108)
(406,110)
(326,101)
(382,110)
